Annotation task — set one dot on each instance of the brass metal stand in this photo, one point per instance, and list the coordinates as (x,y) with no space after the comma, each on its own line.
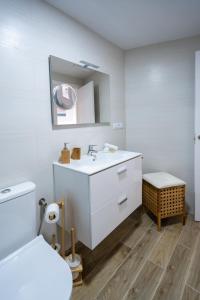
(61,205)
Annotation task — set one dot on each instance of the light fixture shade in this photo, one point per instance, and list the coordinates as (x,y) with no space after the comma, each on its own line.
(87,64)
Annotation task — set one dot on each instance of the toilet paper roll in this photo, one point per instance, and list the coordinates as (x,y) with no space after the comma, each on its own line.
(52,213)
(56,247)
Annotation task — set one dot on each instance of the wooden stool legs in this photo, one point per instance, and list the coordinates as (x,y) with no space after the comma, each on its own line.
(159,222)
(184,214)
(183,219)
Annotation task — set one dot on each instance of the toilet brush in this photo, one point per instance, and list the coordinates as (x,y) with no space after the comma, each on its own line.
(74,259)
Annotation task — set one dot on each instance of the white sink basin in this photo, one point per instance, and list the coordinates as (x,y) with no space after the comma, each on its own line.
(88,165)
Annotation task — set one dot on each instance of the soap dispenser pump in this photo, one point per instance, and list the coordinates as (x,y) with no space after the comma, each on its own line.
(65,155)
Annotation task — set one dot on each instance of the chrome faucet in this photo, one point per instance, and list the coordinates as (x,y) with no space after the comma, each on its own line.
(91,150)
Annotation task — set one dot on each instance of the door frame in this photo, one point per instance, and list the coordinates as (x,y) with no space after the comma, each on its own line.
(197,137)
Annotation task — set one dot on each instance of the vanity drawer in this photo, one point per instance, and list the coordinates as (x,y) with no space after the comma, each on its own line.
(105,220)
(113,183)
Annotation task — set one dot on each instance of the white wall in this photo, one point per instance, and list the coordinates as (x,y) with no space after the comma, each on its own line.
(159,96)
(29,32)
(160,107)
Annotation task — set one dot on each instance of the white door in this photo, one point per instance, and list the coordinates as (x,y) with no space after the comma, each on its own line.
(85,104)
(197,137)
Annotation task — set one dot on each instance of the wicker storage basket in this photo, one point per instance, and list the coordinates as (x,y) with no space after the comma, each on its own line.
(164,202)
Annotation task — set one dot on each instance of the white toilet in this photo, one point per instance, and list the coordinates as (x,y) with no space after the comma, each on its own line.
(29,268)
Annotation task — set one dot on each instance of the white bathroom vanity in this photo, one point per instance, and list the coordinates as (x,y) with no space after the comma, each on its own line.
(99,194)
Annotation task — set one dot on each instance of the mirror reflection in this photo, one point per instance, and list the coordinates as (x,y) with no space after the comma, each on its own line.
(79,95)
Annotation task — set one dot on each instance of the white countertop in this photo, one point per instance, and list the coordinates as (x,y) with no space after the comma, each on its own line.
(103,161)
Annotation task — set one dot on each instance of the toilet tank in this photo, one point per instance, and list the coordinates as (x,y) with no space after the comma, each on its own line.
(17,217)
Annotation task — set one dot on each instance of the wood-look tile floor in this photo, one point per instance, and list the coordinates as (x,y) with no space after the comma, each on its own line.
(138,262)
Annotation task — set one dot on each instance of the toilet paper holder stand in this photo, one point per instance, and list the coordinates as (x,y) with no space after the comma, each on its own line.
(61,205)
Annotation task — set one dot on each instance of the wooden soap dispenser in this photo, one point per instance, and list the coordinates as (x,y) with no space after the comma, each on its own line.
(65,155)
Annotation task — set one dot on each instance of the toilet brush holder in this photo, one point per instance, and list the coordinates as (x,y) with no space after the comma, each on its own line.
(75,263)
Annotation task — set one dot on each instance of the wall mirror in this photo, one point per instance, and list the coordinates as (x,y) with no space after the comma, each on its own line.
(80,96)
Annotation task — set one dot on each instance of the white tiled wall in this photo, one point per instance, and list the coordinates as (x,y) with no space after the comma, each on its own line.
(159,96)
(29,32)
(160,107)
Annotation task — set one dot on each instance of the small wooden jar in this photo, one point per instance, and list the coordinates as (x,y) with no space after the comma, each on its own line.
(76,153)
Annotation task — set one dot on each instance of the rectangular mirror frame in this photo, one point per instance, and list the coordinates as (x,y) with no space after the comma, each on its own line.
(51,99)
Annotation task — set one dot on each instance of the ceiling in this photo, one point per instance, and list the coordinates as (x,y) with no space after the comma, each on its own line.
(134,23)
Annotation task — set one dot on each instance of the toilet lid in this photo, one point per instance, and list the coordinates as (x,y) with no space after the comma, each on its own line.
(35,272)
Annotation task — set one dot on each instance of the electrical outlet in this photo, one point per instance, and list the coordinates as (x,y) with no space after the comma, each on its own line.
(118,125)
